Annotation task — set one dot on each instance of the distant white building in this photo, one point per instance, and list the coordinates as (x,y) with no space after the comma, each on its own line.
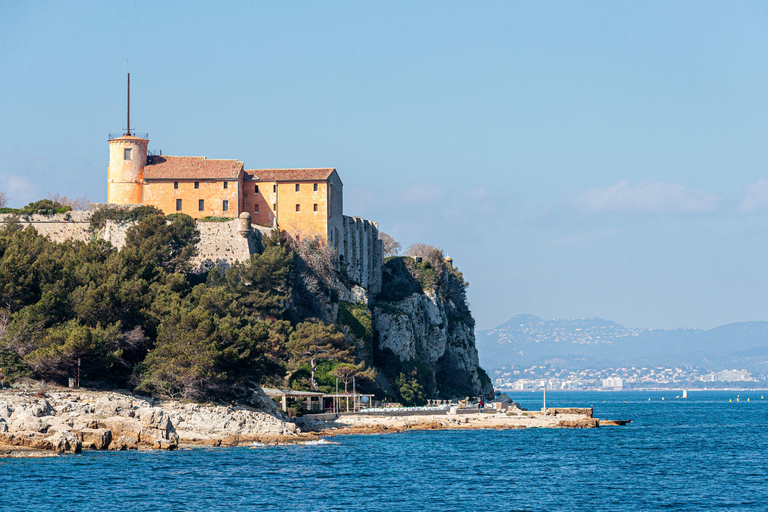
(523,384)
(613,382)
(730,376)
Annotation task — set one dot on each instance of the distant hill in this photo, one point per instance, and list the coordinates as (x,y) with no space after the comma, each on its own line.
(527,339)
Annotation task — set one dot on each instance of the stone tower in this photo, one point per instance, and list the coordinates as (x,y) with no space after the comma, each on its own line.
(127,158)
(125,174)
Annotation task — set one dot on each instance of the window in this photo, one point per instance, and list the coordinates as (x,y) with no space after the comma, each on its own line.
(127,154)
(298,207)
(178,205)
(225,205)
(314,207)
(225,184)
(274,207)
(256,191)
(175,184)
(315,187)
(197,184)
(274,188)
(297,187)
(256,209)
(201,204)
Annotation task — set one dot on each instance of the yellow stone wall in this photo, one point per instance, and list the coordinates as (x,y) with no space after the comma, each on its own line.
(162,194)
(264,198)
(307,222)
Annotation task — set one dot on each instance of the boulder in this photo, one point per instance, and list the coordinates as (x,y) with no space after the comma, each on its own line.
(123,427)
(154,417)
(123,443)
(40,409)
(95,438)
(25,420)
(64,442)
(166,444)
(84,423)
(56,424)
(5,411)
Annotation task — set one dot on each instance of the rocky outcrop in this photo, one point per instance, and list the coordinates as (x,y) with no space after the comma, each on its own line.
(74,420)
(418,327)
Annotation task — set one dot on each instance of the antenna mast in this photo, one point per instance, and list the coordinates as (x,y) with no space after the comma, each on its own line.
(128,129)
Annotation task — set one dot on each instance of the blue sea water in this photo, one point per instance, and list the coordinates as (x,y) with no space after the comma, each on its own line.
(700,453)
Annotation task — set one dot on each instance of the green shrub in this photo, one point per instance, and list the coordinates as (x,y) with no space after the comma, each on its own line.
(13,366)
(357,318)
(42,207)
(210,218)
(100,217)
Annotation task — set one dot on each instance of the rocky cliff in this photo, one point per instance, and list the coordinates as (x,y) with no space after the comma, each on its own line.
(421,318)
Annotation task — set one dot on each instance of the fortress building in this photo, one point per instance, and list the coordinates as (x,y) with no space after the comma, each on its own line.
(304,203)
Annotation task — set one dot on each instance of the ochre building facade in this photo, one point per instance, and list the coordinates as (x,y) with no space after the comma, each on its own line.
(302,202)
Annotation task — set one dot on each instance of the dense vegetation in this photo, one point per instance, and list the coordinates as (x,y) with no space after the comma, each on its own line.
(140,318)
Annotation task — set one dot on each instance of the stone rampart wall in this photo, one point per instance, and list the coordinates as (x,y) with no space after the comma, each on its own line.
(362,253)
(221,243)
(58,227)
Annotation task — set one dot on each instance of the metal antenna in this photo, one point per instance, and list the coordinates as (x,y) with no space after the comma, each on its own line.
(128,129)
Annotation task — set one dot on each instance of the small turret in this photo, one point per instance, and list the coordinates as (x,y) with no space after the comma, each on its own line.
(448,261)
(244,224)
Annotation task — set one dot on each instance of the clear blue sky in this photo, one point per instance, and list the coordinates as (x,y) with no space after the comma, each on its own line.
(574,158)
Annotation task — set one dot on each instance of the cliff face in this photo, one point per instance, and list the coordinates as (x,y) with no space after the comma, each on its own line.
(421,317)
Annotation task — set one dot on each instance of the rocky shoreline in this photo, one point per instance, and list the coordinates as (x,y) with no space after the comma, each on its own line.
(63,420)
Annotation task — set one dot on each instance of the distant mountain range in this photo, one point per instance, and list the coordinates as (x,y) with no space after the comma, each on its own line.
(591,342)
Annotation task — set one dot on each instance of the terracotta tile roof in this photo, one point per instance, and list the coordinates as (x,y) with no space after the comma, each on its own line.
(191,167)
(320,174)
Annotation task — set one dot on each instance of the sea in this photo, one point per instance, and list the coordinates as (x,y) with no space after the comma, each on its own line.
(705,452)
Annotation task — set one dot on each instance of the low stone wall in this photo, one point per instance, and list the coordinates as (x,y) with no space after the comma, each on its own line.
(328,416)
(581,411)
(59,227)
(404,412)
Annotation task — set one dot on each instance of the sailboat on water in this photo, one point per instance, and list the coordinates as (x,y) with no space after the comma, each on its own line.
(685,393)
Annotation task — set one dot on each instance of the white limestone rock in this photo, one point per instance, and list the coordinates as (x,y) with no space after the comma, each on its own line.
(64,442)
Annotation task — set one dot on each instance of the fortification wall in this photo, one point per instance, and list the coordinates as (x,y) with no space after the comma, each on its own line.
(362,253)
(59,227)
(221,244)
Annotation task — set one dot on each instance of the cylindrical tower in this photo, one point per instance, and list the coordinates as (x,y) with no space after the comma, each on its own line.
(244,224)
(127,158)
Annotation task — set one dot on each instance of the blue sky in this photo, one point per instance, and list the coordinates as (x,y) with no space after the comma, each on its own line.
(575,159)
